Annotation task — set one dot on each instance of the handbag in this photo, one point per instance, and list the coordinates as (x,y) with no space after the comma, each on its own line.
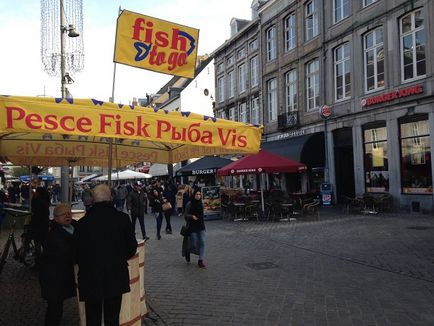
(166,206)
(184,231)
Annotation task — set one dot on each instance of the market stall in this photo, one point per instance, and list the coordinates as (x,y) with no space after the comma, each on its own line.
(59,132)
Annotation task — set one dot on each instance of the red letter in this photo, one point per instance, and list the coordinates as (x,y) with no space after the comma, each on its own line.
(176,39)
(161,39)
(82,123)
(63,122)
(10,118)
(137,27)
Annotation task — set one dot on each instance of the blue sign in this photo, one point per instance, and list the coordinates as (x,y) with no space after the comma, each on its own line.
(26,178)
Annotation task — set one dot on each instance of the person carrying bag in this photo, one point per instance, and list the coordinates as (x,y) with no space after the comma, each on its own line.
(194,242)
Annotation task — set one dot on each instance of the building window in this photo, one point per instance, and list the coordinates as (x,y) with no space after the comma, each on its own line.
(376,159)
(271,43)
(374,60)
(221,89)
(368,2)
(416,173)
(241,53)
(254,71)
(242,78)
(291,90)
(231,60)
(254,115)
(342,9)
(220,68)
(243,112)
(272,99)
(231,115)
(311,9)
(290,41)
(253,45)
(220,114)
(81,169)
(342,72)
(231,84)
(312,84)
(411,28)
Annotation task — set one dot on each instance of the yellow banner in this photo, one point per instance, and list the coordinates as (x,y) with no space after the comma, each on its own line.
(78,130)
(52,152)
(155,44)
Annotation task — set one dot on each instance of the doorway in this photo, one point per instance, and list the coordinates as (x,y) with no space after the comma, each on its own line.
(344,163)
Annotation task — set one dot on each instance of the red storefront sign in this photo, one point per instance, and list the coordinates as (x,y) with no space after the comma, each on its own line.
(393,95)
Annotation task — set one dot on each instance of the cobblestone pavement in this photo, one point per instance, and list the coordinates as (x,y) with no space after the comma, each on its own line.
(338,270)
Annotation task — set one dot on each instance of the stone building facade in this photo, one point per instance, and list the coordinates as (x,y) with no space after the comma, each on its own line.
(368,64)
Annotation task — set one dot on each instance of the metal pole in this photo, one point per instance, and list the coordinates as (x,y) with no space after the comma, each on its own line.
(326,165)
(64,170)
(110,149)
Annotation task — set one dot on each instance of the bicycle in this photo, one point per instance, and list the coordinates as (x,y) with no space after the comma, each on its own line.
(26,252)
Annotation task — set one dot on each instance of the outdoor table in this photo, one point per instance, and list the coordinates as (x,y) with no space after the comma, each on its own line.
(286,208)
(240,209)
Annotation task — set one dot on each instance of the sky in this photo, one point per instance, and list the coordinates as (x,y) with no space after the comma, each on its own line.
(21,70)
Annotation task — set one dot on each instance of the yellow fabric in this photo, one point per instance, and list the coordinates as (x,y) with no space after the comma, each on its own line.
(154,44)
(50,132)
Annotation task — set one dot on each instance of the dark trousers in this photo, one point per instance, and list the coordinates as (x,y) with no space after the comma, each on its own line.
(167,215)
(159,218)
(112,308)
(141,222)
(54,312)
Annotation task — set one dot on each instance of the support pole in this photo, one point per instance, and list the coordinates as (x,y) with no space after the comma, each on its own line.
(110,150)
(326,164)
(64,170)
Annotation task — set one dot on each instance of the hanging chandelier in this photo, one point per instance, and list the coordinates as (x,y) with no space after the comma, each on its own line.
(51,33)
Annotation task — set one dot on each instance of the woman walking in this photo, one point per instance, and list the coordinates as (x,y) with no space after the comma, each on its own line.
(156,203)
(167,211)
(194,219)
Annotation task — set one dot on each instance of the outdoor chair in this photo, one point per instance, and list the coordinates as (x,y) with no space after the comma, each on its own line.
(252,210)
(353,203)
(312,208)
(369,204)
(272,210)
(384,202)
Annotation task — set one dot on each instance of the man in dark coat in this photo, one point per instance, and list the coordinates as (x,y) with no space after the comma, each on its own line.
(56,275)
(105,240)
(137,205)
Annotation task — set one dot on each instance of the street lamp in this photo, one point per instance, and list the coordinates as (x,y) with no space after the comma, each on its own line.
(60,55)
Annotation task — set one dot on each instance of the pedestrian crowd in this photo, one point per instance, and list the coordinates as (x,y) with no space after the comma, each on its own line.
(111,213)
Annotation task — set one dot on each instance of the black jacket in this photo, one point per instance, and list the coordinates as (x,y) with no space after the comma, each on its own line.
(194,226)
(56,274)
(137,203)
(105,240)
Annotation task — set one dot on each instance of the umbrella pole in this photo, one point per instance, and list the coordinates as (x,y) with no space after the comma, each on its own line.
(30,187)
(262,195)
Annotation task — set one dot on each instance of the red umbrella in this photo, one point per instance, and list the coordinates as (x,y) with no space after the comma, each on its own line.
(263,162)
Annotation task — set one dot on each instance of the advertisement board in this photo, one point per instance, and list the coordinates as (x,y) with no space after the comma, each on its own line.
(211,202)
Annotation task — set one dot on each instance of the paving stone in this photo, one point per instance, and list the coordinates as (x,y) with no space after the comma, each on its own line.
(340,270)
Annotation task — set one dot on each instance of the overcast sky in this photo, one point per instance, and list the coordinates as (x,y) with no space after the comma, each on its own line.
(20,60)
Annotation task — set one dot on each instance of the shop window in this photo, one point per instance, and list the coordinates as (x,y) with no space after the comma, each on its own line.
(376,160)
(416,172)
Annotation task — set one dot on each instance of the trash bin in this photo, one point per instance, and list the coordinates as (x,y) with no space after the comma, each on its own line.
(326,194)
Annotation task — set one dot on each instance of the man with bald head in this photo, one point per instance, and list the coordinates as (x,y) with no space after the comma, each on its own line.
(105,240)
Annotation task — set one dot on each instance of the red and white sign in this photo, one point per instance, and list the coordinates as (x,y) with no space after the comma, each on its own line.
(393,95)
(325,111)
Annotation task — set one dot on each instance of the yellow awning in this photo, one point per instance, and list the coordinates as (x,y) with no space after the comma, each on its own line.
(58,132)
